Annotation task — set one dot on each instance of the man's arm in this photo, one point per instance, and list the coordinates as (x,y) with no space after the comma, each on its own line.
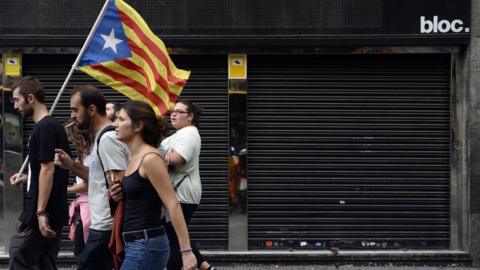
(45,182)
(79,170)
(114,156)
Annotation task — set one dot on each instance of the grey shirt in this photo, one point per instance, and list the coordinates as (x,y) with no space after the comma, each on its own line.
(115,156)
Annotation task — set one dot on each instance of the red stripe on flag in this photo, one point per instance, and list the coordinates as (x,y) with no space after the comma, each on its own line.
(132,66)
(152,46)
(133,84)
(158,78)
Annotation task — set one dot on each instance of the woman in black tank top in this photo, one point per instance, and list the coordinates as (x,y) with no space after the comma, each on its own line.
(146,185)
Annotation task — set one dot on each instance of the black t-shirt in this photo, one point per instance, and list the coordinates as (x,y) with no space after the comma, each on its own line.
(47,135)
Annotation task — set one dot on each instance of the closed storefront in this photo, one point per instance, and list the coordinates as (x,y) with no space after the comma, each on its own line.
(346,151)
(349,151)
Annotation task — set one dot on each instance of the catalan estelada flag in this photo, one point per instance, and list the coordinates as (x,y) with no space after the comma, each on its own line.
(126,55)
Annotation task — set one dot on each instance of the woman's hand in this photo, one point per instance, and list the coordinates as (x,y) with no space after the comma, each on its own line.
(116,191)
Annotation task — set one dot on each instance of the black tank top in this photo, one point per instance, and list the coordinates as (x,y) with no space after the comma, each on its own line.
(143,207)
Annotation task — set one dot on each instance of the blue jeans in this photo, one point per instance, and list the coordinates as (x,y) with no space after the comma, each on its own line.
(149,253)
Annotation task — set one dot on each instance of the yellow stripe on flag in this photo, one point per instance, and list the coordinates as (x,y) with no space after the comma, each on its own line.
(154,87)
(119,86)
(121,5)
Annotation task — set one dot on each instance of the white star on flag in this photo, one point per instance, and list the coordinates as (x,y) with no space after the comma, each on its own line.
(111,41)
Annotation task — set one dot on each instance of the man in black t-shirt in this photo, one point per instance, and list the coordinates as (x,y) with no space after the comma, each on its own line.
(36,244)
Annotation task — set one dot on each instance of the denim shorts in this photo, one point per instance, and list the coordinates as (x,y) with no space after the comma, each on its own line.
(149,253)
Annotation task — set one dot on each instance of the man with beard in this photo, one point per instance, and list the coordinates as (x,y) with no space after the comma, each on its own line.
(111,159)
(36,244)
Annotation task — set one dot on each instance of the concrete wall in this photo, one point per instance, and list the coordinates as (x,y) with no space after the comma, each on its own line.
(471,66)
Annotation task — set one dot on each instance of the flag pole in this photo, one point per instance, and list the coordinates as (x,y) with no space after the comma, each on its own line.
(72,69)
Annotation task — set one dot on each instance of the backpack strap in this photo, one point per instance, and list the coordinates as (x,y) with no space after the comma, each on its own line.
(102,132)
(171,168)
(175,187)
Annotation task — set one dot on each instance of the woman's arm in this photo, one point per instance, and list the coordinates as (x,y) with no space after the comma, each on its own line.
(154,168)
(186,144)
(81,187)
(173,158)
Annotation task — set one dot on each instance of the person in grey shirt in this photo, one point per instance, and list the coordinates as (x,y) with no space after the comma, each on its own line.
(88,110)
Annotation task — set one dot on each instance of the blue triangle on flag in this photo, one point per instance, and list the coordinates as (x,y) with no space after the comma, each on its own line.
(109,41)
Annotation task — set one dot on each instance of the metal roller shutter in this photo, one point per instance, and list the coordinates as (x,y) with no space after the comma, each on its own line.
(349,151)
(208,86)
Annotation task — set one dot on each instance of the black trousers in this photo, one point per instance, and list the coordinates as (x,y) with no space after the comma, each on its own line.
(175,260)
(30,250)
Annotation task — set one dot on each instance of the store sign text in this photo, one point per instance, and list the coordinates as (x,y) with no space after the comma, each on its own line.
(435,25)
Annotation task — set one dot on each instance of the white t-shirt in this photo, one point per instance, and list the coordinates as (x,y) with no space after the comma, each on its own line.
(115,156)
(187,143)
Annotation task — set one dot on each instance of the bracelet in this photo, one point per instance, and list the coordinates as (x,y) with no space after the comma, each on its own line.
(185,250)
(41,213)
